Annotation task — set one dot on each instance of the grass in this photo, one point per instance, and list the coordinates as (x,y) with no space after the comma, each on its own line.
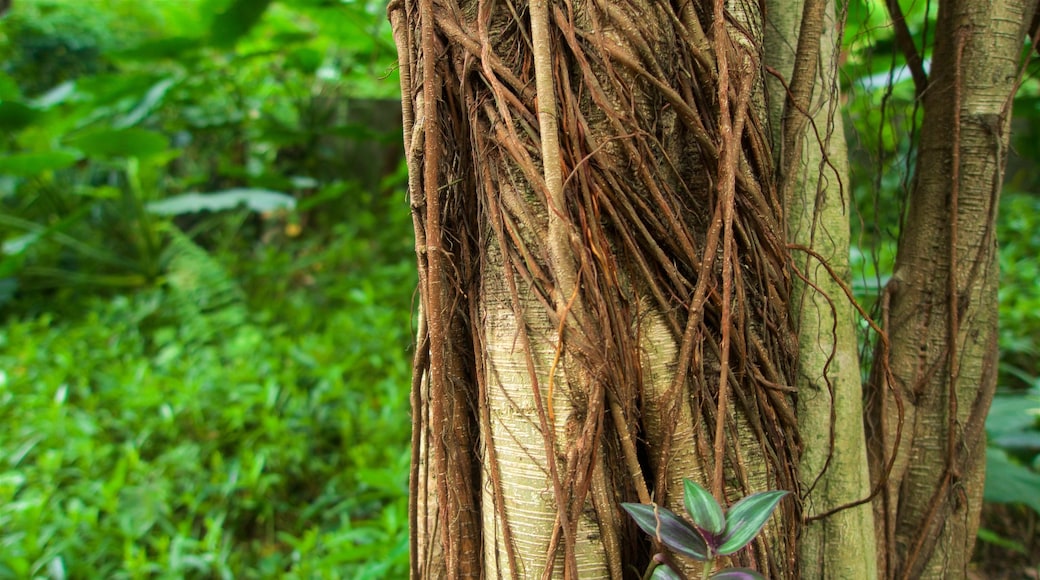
(274,447)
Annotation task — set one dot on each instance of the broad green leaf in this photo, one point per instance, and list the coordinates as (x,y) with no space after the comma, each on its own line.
(305,59)
(113,93)
(16,246)
(151,100)
(1008,482)
(670,529)
(663,572)
(703,508)
(15,116)
(746,517)
(1011,413)
(138,143)
(737,574)
(236,21)
(258,200)
(1025,441)
(32,164)
(56,95)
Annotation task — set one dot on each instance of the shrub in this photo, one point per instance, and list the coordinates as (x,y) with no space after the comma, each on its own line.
(134,447)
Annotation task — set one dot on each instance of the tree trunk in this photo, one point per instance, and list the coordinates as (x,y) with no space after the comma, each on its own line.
(604,282)
(933,389)
(603,199)
(809,146)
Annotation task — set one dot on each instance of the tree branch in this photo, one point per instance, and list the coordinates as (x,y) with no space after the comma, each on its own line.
(905,42)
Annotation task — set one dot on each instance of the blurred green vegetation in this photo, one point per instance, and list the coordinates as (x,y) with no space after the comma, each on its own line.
(206,280)
(205,284)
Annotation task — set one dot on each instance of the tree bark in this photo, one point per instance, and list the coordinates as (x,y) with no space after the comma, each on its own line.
(837,541)
(933,382)
(603,279)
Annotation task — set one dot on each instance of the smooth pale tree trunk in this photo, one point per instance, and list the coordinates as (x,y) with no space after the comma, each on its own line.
(604,282)
(933,389)
(809,146)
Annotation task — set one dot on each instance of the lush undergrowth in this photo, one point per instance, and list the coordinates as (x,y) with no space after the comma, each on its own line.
(205,292)
(274,446)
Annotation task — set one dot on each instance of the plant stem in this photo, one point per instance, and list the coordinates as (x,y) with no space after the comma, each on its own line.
(708,567)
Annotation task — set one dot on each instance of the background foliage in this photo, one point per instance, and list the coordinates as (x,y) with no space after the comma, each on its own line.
(206,278)
(206,288)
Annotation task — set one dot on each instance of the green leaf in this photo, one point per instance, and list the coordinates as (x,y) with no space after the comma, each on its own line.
(746,517)
(663,572)
(138,143)
(15,116)
(670,529)
(8,88)
(236,21)
(991,537)
(151,100)
(175,47)
(305,59)
(11,262)
(703,508)
(1011,413)
(258,200)
(737,574)
(1008,482)
(32,164)
(1025,441)
(55,96)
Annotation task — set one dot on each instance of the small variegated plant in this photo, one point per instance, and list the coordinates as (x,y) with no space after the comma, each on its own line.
(712,534)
